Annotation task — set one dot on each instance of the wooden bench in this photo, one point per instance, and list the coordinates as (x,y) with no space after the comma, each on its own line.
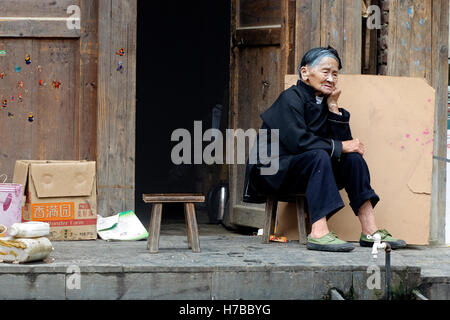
(157,199)
(303,220)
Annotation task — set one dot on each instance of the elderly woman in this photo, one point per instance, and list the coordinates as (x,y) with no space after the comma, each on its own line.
(317,155)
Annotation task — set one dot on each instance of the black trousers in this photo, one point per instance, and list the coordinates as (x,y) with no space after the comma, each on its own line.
(321,178)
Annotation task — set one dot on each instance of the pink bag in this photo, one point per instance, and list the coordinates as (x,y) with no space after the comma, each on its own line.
(10,204)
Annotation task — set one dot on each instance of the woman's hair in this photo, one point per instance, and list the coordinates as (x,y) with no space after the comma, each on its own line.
(313,56)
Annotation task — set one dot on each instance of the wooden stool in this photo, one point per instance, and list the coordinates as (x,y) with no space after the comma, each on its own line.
(303,220)
(189,213)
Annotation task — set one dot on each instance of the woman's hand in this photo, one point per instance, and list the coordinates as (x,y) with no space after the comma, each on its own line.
(332,100)
(353,146)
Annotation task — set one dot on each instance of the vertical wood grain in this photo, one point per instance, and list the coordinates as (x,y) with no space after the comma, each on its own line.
(439,80)
(116,130)
(330,22)
(87,110)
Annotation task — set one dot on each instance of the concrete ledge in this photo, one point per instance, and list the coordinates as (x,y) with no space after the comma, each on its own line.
(239,267)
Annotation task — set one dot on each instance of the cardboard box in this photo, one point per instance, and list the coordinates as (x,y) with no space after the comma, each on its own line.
(62,193)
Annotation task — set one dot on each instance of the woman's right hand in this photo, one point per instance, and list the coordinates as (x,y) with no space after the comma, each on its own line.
(353,146)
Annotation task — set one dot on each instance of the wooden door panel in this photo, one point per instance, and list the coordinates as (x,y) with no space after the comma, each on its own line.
(58,87)
(257,89)
(259,13)
(257,60)
(52,134)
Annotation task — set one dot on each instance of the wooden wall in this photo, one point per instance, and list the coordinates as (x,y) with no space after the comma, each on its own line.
(330,22)
(116,123)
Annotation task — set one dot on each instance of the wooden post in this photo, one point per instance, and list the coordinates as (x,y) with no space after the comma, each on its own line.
(116,116)
(439,78)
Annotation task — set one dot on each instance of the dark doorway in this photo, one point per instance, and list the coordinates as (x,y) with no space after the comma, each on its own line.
(182,73)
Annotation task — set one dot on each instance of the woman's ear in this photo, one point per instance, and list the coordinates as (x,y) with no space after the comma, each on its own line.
(304,71)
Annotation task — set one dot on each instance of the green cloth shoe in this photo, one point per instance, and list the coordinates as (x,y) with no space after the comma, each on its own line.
(385,237)
(329,242)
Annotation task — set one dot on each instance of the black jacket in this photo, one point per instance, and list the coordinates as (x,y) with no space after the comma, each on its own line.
(303,125)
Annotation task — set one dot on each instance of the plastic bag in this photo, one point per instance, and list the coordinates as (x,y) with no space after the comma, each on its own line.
(10,204)
(24,250)
(122,226)
(31,229)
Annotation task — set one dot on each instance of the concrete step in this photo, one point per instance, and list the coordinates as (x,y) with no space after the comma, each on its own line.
(228,267)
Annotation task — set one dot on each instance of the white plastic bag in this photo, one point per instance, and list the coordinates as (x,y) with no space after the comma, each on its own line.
(30,229)
(122,226)
(24,250)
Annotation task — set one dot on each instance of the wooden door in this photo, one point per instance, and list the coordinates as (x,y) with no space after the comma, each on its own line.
(56,84)
(261,55)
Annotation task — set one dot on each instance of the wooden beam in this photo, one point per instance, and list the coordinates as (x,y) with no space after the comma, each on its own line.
(87,111)
(287,43)
(439,80)
(258,36)
(40,19)
(116,116)
(36,27)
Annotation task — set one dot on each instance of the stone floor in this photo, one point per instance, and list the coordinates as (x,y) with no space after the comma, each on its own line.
(230,266)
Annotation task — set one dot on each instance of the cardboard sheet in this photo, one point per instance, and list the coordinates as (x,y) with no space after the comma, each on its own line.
(393,117)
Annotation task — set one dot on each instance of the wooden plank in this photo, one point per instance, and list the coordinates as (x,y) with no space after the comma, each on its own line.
(173,197)
(154,228)
(52,134)
(38,19)
(287,45)
(33,8)
(341,29)
(259,13)
(257,37)
(410,39)
(331,32)
(87,110)
(15,127)
(307,27)
(258,86)
(37,28)
(351,37)
(439,79)
(54,130)
(116,105)
(369,44)
(103,96)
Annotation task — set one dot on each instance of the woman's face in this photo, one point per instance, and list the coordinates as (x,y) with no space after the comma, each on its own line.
(323,76)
